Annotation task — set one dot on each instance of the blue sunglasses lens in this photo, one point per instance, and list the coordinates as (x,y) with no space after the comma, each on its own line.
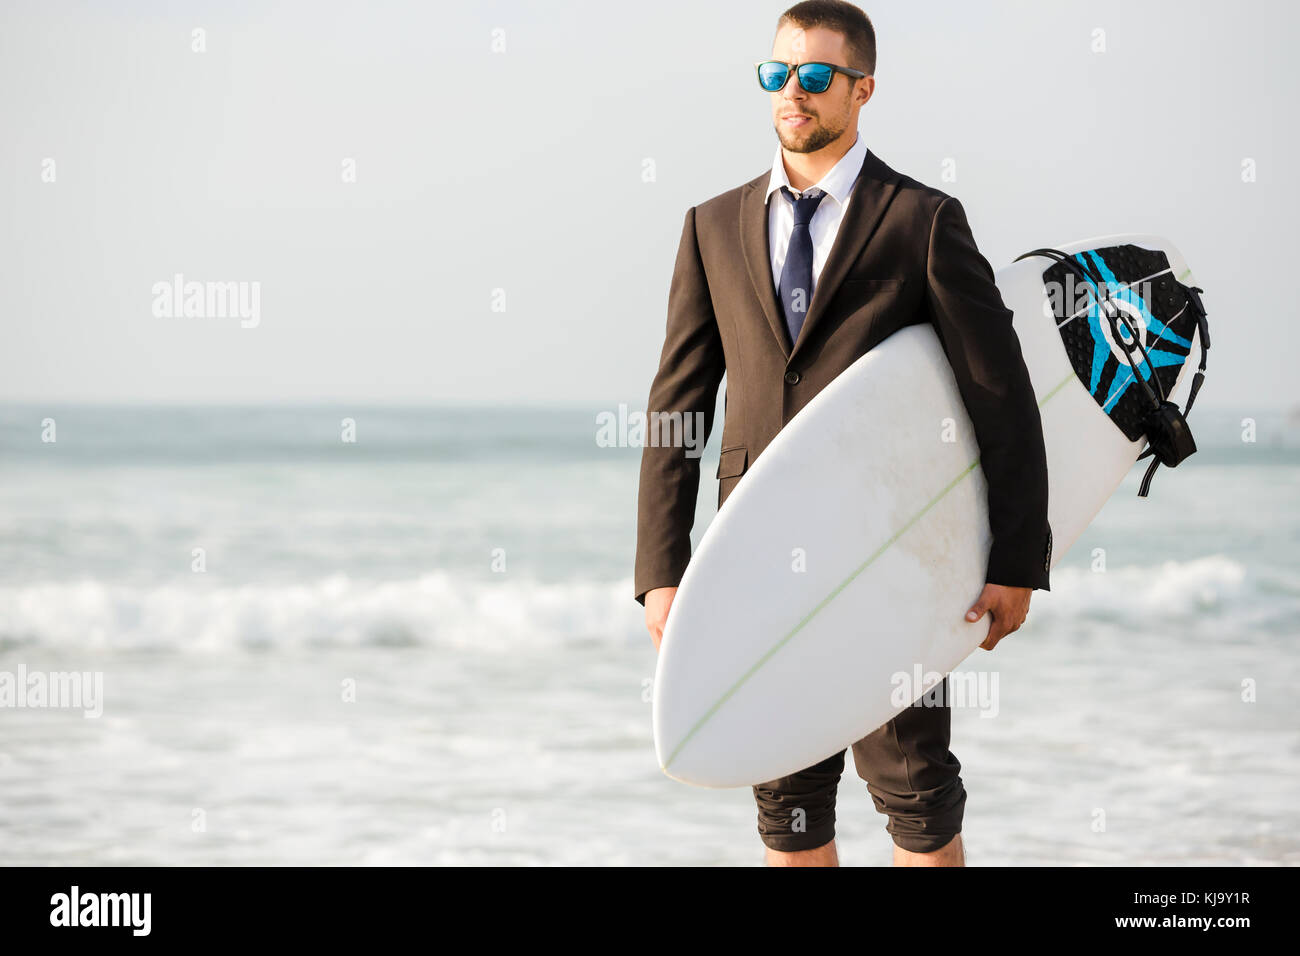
(772,76)
(814,77)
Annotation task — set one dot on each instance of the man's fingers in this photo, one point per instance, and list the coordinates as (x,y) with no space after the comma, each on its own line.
(996,631)
(1008,607)
(656,629)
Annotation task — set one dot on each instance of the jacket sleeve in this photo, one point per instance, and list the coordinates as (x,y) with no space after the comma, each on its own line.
(975,328)
(691,367)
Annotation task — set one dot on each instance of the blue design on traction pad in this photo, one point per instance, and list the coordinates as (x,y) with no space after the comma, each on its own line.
(1155,302)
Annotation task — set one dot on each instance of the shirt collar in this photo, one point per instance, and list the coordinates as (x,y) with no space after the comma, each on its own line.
(838,183)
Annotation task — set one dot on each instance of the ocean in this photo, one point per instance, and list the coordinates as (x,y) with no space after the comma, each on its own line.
(421,647)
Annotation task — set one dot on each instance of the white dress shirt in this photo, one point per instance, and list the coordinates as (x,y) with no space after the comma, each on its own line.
(837,184)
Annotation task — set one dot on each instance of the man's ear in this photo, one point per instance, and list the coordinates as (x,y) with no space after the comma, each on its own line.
(868,85)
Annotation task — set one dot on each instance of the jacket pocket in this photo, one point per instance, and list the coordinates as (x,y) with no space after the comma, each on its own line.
(732,461)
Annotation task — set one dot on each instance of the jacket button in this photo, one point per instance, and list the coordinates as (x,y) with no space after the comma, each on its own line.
(792,377)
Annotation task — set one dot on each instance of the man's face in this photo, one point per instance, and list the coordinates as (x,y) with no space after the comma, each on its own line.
(805,122)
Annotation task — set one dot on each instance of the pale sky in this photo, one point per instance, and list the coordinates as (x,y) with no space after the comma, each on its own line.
(522,170)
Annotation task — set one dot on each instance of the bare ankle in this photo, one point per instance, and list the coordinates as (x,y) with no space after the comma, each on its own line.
(819,856)
(951,853)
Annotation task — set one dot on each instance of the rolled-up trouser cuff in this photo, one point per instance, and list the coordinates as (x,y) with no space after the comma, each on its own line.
(926,821)
(794,842)
(798,812)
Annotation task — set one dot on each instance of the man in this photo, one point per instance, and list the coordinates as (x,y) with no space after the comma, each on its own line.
(778,284)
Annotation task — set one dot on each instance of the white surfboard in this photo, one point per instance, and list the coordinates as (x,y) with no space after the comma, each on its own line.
(764,670)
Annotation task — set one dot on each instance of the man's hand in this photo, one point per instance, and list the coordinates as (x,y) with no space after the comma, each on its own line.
(1008,606)
(657,603)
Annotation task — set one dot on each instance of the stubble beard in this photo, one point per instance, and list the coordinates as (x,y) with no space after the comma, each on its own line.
(815,140)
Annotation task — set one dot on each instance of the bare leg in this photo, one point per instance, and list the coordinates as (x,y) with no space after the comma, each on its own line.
(950,854)
(819,856)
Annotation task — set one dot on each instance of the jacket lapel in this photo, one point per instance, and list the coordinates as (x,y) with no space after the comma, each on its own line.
(756,248)
(871,196)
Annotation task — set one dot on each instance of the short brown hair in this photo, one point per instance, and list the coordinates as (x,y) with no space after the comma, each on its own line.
(844,18)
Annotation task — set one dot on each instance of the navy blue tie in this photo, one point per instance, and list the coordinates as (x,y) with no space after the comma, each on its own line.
(797,275)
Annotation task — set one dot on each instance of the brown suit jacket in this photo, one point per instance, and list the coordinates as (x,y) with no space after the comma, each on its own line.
(904,254)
